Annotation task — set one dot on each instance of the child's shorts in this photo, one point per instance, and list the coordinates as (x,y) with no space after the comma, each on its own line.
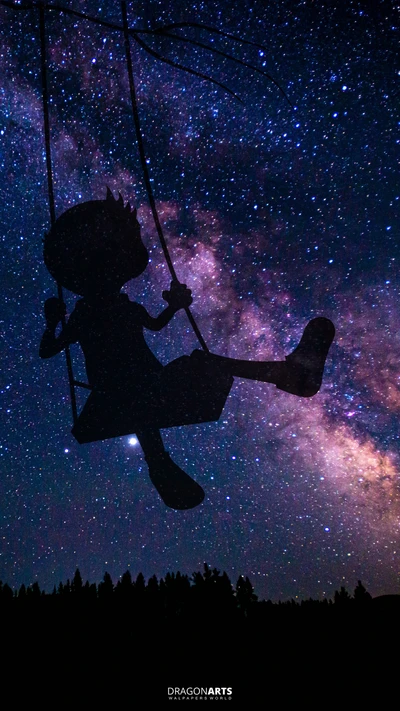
(189,390)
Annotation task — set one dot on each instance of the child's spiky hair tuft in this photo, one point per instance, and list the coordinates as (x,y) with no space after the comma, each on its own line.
(119,204)
(95,242)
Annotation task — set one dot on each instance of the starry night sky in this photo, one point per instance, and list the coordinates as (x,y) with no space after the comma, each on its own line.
(273,215)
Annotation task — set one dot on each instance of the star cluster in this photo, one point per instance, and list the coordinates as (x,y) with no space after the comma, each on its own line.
(274,214)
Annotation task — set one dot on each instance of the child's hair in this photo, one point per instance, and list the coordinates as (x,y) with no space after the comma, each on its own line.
(95,243)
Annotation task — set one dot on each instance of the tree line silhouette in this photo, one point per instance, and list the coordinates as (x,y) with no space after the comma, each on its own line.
(205,595)
(186,629)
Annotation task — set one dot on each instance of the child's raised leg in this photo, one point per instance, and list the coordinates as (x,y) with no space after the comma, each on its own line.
(176,488)
(301,372)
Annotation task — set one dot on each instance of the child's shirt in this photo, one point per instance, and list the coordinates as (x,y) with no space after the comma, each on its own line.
(111,336)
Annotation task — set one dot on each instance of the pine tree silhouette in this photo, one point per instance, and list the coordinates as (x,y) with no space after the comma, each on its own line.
(342,597)
(361,596)
(106,588)
(77,584)
(245,596)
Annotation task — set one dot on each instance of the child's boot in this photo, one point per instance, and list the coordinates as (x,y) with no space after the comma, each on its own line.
(176,488)
(305,365)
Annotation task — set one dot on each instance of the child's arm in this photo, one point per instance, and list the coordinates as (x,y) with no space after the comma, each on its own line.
(50,345)
(179,297)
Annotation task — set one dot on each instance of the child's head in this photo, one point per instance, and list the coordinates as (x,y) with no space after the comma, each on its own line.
(95,247)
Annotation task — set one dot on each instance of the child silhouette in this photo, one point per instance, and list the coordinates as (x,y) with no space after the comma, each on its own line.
(93,249)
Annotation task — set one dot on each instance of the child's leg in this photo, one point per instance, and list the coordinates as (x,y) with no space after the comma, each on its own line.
(151,442)
(301,372)
(176,488)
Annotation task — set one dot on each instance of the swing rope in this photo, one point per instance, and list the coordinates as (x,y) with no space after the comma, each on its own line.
(146,175)
(50,186)
(45,98)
